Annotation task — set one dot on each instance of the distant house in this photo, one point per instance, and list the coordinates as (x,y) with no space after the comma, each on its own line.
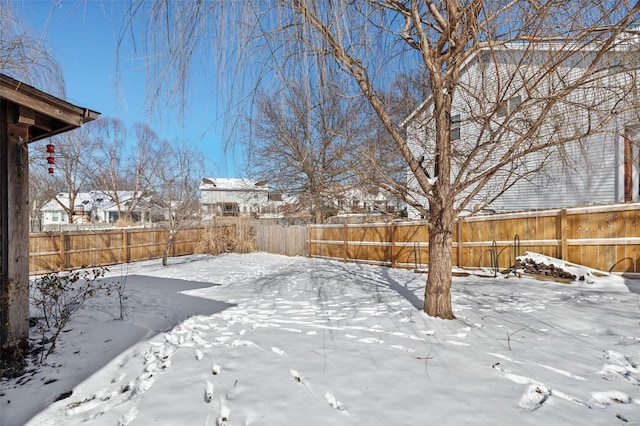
(93,207)
(603,167)
(233,197)
(371,200)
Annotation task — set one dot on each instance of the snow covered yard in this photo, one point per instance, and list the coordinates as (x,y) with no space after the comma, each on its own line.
(261,339)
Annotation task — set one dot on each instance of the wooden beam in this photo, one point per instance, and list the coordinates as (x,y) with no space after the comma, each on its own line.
(25,116)
(14,285)
(59,112)
(32,101)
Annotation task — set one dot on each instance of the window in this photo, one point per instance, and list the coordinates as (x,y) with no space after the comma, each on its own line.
(508,106)
(229,209)
(455,127)
(55,217)
(502,110)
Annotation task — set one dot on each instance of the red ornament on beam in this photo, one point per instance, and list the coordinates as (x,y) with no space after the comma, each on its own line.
(51,149)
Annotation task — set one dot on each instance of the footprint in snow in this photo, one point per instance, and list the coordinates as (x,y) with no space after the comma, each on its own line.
(128,416)
(370,340)
(141,384)
(208,391)
(334,403)
(198,354)
(609,397)
(278,351)
(456,343)
(611,371)
(246,343)
(621,366)
(225,412)
(215,369)
(298,378)
(403,348)
(534,396)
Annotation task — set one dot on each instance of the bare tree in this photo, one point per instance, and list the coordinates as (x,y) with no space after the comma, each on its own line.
(71,172)
(176,183)
(25,56)
(300,143)
(123,168)
(563,48)
(375,158)
(109,158)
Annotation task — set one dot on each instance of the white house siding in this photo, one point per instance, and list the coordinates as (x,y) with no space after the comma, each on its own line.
(98,207)
(246,197)
(590,176)
(585,172)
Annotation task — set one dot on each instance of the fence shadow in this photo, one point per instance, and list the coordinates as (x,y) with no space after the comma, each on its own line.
(632,285)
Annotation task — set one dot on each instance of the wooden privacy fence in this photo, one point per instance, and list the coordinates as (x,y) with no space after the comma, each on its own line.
(58,251)
(278,239)
(601,237)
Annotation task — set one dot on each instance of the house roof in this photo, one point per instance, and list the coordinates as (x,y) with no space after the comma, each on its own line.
(45,114)
(233,184)
(88,200)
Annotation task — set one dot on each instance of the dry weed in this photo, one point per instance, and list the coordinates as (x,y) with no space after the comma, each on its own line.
(217,239)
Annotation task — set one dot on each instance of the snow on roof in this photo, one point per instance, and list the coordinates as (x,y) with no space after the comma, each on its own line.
(233,184)
(99,199)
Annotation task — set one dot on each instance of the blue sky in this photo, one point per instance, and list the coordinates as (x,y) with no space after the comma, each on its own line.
(82,37)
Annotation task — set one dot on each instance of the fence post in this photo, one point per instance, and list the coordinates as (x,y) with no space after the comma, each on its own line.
(460,238)
(561,234)
(393,245)
(345,247)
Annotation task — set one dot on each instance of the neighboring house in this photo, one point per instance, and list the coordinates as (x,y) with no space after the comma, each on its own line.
(600,168)
(229,197)
(372,200)
(92,207)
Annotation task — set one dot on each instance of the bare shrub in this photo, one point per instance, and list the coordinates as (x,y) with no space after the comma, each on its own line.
(58,297)
(123,223)
(218,239)
(244,238)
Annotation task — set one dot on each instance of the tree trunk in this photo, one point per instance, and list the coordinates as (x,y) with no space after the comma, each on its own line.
(167,248)
(437,295)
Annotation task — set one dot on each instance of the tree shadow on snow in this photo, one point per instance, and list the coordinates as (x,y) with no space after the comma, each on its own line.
(403,290)
(380,276)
